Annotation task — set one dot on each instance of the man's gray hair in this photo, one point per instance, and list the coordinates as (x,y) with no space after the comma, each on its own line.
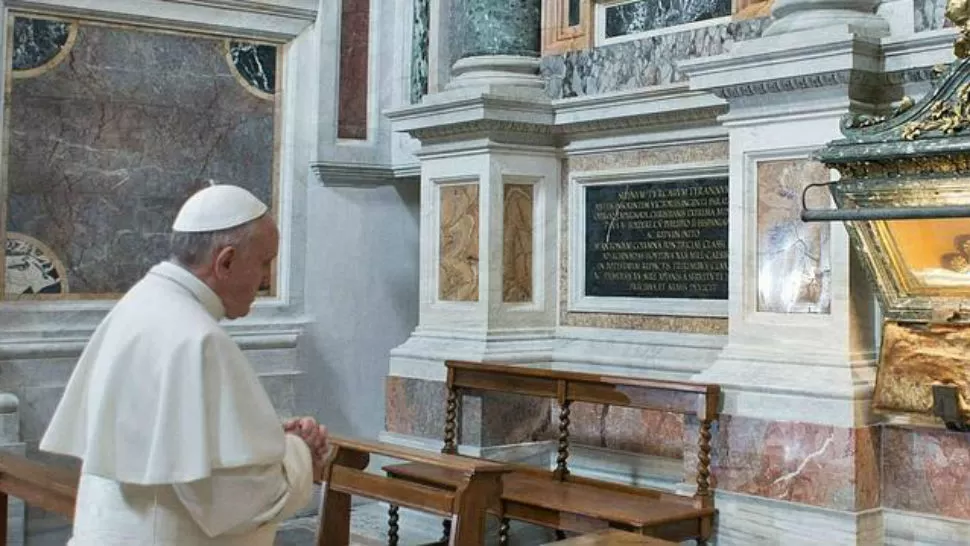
(193,250)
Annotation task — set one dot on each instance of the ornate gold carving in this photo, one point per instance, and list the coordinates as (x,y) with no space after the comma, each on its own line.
(958,11)
(944,116)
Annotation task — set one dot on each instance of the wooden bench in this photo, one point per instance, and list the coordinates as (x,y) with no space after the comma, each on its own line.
(478,489)
(49,487)
(612,537)
(558,499)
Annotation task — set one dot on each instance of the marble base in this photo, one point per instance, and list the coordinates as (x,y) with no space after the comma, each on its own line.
(904,528)
(496,71)
(745,520)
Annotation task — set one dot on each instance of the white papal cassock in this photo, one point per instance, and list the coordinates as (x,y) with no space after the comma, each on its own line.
(180,445)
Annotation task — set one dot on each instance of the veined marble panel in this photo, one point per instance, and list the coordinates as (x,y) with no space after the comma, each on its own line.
(930,15)
(354,64)
(105,147)
(517,233)
(926,471)
(640,63)
(420,43)
(626,429)
(458,244)
(644,15)
(661,155)
(820,465)
(794,257)
(416,407)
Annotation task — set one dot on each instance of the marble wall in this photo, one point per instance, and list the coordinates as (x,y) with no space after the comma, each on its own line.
(110,129)
(641,62)
(644,15)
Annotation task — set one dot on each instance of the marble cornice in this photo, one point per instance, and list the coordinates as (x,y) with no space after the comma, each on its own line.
(338,173)
(294,9)
(845,77)
(545,122)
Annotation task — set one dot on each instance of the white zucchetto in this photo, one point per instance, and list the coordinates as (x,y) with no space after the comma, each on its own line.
(218,207)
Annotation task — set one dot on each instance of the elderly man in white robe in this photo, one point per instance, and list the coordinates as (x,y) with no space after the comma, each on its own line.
(179,443)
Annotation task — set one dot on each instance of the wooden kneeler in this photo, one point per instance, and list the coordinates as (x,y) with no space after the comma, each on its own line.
(466,507)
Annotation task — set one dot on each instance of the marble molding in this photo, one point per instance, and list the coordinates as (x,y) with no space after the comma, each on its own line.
(517,233)
(662,155)
(930,15)
(354,87)
(643,15)
(642,62)
(104,149)
(926,471)
(493,27)
(416,407)
(458,243)
(794,257)
(819,465)
(420,44)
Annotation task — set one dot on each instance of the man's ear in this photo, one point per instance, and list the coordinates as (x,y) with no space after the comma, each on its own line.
(224,261)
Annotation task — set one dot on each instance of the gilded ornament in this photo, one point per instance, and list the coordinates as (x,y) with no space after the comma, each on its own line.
(958,11)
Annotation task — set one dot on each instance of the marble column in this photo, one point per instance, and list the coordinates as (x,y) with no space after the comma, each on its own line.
(798,15)
(495,43)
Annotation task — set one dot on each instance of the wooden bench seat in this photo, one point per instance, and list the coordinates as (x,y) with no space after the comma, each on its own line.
(557,498)
(533,495)
(612,537)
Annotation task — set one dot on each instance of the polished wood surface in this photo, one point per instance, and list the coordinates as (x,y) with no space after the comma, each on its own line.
(478,489)
(45,486)
(612,537)
(559,499)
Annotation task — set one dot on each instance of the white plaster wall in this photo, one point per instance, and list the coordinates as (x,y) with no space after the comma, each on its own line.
(362,297)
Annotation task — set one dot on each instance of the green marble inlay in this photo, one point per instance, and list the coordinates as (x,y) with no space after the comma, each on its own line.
(495,27)
(419,49)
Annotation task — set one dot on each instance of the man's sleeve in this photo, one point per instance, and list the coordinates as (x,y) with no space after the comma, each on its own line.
(236,501)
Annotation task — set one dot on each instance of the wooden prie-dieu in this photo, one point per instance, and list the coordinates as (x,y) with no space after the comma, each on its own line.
(558,499)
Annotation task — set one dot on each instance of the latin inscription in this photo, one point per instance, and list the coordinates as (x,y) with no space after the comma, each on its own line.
(658,240)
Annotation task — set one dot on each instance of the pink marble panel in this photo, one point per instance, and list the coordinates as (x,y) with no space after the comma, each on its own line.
(626,429)
(821,465)
(926,471)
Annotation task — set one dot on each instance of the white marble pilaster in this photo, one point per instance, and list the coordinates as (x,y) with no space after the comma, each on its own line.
(786,96)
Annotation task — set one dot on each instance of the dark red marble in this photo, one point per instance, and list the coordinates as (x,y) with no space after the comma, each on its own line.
(353,92)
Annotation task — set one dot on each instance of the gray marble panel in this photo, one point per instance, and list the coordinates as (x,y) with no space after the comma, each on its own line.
(107,144)
(643,15)
(930,15)
(640,63)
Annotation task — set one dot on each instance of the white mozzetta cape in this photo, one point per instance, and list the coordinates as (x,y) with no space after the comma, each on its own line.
(161,394)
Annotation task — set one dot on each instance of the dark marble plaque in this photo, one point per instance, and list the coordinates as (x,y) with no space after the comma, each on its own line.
(658,239)
(645,15)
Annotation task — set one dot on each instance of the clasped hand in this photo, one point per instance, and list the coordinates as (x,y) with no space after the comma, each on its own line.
(315,435)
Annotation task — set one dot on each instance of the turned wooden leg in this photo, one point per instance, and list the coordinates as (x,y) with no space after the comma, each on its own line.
(392,527)
(503,532)
(445,531)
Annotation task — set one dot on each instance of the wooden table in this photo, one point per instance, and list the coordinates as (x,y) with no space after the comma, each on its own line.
(613,537)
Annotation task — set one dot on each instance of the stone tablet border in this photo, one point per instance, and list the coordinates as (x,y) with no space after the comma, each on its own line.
(578,301)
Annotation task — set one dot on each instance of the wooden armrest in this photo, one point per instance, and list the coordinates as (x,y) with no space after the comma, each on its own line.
(56,479)
(454,462)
